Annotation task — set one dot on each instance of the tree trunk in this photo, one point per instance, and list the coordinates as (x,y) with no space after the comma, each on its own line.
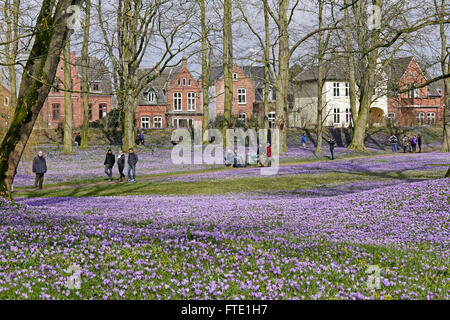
(50,36)
(68,134)
(129,110)
(205,71)
(320,82)
(227,68)
(84,75)
(282,80)
(266,68)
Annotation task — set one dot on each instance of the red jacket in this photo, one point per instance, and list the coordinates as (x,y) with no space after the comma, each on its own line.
(269,151)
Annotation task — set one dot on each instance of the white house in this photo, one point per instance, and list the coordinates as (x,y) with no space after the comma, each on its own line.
(336,100)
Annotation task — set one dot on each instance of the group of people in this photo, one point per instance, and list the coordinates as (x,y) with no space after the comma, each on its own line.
(409,143)
(140,139)
(132,161)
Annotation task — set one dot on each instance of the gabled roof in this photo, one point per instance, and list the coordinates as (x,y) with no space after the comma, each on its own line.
(97,71)
(331,72)
(160,85)
(256,73)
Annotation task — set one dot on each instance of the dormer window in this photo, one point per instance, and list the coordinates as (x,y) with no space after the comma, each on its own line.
(96,87)
(235,76)
(150,96)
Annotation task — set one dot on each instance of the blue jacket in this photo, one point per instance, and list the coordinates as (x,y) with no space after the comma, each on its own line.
(39,165)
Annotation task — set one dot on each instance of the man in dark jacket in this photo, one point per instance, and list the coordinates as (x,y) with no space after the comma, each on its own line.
(121,165)
(332,143)
(132,160)
(39,168)
(419,142)
(78,139)
(109,163)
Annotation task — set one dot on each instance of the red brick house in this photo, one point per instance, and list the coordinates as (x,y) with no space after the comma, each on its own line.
(248,92)
(100,94)
(416,106)
(5,107)
(171,100)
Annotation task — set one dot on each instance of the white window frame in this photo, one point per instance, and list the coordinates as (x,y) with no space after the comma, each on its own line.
(235,76)
(177,101)
(242,117)
(191,101)
(347,89)
(348,115)
(189,82)
(336,115)
(416,93)
(145,122)
(157,122)
(151,96)
(431,117)
(242,93)
(336,87)
(420,117)
(6,101)
(271,118)
(190,122)
(99,86)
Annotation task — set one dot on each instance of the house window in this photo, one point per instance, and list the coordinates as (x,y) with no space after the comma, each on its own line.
(191,101)
(96,87)
(157,122)
(336,115)
(6,101)
(56,89)
(90,112)
(184,82)
(391,117)
(189,82)
(431,117)
(177,101)
(242,117)
(242,96)
(182,123)
(420,117)
(271,118)
(101,110)
(348,115)
(235,76)
(416,93)
(336,89)
(145,123)
(150,96)
(347,89)
(55,111)
(179,82)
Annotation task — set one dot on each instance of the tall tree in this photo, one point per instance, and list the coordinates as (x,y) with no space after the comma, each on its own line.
(84,75)
(138,23)
(11,16)
(50,35)
(205,68)
(68,135)
(227,66)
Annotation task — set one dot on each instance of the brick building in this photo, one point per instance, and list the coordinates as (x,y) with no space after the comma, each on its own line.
(100,94)
(171,100)
(5,107)
(416,106)
(248,93)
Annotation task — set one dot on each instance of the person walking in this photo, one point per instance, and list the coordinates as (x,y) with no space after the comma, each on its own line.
(405,142)
(303,140)
(137,140)
(121,165)
(413,143)
(78,139)
(142,137)
(269,155)
(419,142)
(132,160)
(39,168)
(332,143)
(394,141)
(109,163)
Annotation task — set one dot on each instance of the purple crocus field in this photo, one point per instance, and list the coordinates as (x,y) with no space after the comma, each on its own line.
(230,246)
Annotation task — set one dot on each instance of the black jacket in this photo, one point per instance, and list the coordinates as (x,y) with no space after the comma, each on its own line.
(110,159)
(39,165)
(121,160)
(132,159)
(332,143)
(78,139)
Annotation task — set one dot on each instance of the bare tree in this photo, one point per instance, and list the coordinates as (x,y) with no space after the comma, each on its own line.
(50,35)
(84,75)
(67,143)
(227,66)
